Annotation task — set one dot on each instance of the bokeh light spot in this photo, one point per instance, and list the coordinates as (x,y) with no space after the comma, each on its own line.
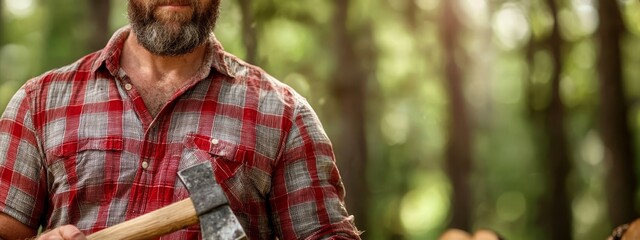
(20,8)
(424,209)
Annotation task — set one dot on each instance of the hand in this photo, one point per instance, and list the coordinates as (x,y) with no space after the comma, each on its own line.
(457,234)
(485,235)
(66,232)
(626,231)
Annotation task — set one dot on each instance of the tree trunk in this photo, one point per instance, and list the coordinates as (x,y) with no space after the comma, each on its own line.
(348,88)
(614,126)
(249,35)
(99,15)
(412,16)
(557,204)
(458,149)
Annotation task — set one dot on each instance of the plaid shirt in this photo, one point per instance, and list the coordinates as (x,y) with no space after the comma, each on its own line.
(78,146)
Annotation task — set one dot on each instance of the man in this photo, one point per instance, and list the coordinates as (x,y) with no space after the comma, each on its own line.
(100,141)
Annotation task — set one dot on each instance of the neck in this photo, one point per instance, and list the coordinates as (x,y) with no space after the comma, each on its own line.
(135,58)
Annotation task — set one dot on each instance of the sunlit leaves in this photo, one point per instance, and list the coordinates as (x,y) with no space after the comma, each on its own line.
(476,13)
(427,5)
(507,81)
(589,205)
(578,84)
(510,26)
(228,29)
(423,208)
(395,124)
(288,42)
(578,21)
(630,10)
(20,8)
(396,45)
(540,20)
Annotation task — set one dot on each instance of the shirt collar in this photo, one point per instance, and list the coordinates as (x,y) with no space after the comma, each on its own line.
(215,56)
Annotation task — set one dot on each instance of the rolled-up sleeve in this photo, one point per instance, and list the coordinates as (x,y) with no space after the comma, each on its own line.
(307,197)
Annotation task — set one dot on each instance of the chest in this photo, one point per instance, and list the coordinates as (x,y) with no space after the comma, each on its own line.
(155,92)
(100,127)
(103,156)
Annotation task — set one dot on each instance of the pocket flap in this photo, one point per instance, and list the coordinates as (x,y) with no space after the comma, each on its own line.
(71,148)
(213,146)
(226,157)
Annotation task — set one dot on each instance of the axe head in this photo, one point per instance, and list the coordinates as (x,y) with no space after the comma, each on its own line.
(217,221)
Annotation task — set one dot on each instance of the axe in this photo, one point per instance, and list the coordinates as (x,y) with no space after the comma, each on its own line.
(207,205)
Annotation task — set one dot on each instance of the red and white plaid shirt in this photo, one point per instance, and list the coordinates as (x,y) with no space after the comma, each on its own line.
(78,146)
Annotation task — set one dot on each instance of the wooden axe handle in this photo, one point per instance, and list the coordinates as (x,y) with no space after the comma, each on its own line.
(165,220)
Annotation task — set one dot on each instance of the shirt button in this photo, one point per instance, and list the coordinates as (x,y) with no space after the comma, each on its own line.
(128,86)
(145,165)
(214,141)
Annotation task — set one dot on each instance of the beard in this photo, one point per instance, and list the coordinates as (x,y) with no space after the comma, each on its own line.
(173,34)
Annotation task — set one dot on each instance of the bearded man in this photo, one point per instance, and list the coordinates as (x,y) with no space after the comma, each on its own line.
(101,141)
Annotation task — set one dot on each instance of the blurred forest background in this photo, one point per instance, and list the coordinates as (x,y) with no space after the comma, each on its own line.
(520,116)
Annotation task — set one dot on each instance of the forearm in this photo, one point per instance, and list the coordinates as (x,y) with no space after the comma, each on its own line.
(10,228)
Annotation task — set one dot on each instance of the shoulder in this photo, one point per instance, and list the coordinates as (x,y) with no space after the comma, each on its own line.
(63,77)
(61,87)
(268,88)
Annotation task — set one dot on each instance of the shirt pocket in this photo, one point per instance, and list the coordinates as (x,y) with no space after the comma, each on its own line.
(85,170)
(243,175)
(226,157)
